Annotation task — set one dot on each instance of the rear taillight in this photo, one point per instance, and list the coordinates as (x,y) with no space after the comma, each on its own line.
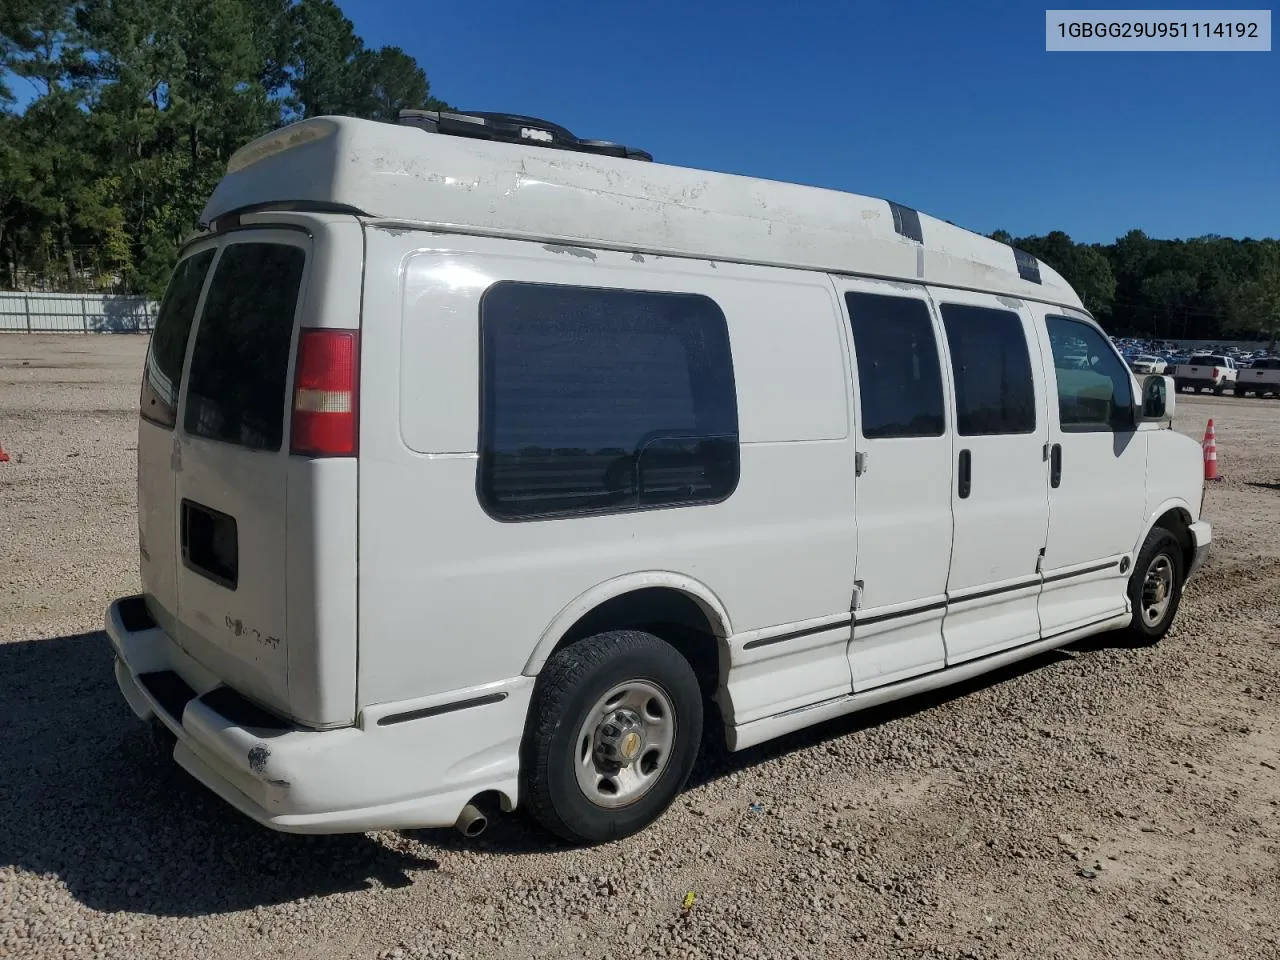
(325,394)
(1216,374)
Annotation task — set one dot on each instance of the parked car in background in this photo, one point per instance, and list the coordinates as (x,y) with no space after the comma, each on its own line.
(1206,371)
(1262,378)
(1146,363)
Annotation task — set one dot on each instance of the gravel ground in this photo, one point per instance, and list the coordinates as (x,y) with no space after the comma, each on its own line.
(1101,801)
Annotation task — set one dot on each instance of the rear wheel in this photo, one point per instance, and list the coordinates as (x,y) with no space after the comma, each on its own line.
(1155,586)
(1241,393)
(615,727)
(1219,390)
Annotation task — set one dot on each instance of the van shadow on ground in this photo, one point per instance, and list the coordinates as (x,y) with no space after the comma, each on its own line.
(88,796)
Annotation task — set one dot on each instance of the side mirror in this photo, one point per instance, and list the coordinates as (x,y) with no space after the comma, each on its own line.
(1157,398)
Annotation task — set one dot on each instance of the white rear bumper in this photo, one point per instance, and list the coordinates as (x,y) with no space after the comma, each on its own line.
(404,765)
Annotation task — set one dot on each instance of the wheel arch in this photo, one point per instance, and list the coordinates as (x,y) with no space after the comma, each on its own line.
(635,601)
(1175,516)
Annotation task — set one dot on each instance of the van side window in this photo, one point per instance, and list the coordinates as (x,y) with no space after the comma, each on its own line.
(603,401)
(1094,389)
(236,388)
(162,373)
(899,379)
(992,371)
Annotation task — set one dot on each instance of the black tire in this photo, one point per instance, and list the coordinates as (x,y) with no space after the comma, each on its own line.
(1218,391)
(568,687)
(1160,543)
(1240,393)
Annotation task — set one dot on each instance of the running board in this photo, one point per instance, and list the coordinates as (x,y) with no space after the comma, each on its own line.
(758,731)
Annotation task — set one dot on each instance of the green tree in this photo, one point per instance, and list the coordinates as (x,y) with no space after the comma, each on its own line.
(325,74)
(32,35)
(1086,268)
(139,104)
(391,81)
(1260,298)
(1167,294)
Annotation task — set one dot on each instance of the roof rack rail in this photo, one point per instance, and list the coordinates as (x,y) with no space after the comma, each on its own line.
(513,128)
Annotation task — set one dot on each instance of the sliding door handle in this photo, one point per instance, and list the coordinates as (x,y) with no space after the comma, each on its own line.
(1055,465)
(965,474)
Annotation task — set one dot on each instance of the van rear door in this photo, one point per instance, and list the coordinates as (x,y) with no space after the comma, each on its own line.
(157,444)
(232,463)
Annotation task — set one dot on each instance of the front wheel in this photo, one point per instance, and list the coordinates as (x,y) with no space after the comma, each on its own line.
(614,730)
(1155,586)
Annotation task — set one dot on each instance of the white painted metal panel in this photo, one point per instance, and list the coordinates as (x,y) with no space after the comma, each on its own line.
(471,186)
(450,597)
(1095,512)
(1001,525)
(904,528)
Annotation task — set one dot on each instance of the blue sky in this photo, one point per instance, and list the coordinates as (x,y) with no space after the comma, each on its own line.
(954,108)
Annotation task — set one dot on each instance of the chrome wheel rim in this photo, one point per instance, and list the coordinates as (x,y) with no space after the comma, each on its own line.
(624,744)
(1157,590)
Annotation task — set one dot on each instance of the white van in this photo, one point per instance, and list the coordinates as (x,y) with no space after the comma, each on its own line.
(470,471)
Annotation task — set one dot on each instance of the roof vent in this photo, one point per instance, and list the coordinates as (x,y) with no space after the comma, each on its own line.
(1028,266)
(906,222)
(513,128)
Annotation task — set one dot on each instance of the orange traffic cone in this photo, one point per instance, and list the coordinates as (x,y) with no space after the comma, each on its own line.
(4,457)
(1210,453)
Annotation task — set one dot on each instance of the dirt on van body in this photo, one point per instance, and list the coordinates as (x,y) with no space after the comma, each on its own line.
(1102,801)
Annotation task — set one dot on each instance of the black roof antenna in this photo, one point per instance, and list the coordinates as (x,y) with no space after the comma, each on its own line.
(513,128)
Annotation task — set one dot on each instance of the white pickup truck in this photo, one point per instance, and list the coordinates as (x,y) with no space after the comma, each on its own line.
(1206,371)
(1261,377)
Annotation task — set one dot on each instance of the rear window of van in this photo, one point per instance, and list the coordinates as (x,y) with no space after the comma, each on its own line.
(162,373)
(240,363)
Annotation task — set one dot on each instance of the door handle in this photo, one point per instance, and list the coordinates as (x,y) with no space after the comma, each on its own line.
(965,483)
(1055,465)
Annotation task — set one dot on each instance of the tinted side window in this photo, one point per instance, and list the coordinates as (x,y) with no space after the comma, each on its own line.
(600,401)
(236,389)
(1094,389)
(992,371)
(162,373)
(899,379)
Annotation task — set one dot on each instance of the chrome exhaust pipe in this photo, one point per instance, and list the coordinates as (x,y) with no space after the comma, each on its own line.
(471,822)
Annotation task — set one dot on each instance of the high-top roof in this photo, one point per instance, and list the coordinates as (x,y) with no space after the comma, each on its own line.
(404,174)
